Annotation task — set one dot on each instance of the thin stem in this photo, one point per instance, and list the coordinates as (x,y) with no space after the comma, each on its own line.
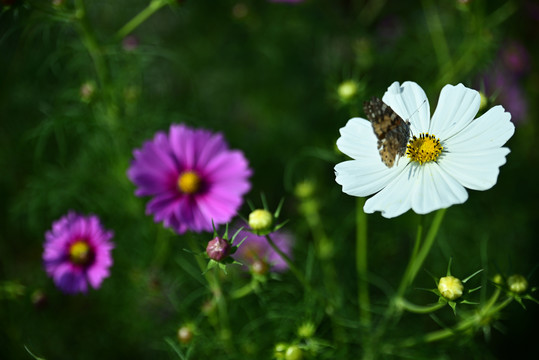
(439,43)
(417,262)
(90,42)
(215,287)
(100,64)
(418,309)
(419,253)
(290,264)
(243,291)
(472,322)
(361,265)
(141,17)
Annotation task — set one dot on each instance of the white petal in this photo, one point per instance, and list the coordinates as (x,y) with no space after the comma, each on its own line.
(456,108)
(436,189)
(477,170)
(410,102)
(489,131)
(357,139)
(396,198)
(364,177)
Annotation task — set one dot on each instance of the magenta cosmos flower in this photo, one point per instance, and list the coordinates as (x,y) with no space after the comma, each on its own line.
(256,253)
(193,177)
(77,253)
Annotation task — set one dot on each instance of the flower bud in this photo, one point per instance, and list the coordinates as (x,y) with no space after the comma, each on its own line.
(450,287)
(347,90)
(130,43)
(484,101)
(497,279)
(293,353)
(185,334)
(306,330)
(279,350)
(218,249)
(260,220)
(87,91)
(260,267)
(517,283)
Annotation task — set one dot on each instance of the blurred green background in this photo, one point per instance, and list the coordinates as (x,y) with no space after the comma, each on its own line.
(266,75)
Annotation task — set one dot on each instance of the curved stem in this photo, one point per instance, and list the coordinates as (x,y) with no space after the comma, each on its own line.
(419,253)
(290,264)
(418,309)
(472,322)
(141,17)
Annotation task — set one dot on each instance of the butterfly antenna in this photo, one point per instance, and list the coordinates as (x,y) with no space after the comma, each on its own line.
(409,117)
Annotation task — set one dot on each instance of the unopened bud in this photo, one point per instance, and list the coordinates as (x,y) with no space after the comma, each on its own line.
(185,334)
(484,101)
(306,330)
(260,220)
(87,91)
(347,90)
(517,283)
(259,267)
(293,353)
(218,249)
(450,287)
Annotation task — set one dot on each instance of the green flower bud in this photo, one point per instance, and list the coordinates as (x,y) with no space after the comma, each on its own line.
(450,287)
(293,353)
(484,101)
(306,330)
(517,283)
(347,90)
(260,220)
(498,279)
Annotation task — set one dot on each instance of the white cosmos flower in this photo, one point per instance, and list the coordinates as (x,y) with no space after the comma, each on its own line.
(471,152)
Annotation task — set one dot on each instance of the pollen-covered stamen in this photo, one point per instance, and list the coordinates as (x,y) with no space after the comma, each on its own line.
(424,148)
(80,253)
(189,182)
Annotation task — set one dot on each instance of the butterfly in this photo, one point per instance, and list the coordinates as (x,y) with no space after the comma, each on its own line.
(391,130)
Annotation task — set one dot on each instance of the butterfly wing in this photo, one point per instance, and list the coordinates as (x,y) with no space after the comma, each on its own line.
(390,129)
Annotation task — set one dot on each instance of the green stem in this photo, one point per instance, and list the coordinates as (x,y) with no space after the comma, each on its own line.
(418,309)
(100,64)
(361,265)
(141,17)
(419,253)
(214,284)
(243,291)
(417,262)
(439,43)
(475,321)
(290,264)
(90,42)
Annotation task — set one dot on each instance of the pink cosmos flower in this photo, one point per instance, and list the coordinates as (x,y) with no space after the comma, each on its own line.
(256,252)
(193,177)
(77,252)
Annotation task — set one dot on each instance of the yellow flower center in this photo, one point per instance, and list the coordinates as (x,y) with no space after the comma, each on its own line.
(424,148)
(189,182)
(80,252)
